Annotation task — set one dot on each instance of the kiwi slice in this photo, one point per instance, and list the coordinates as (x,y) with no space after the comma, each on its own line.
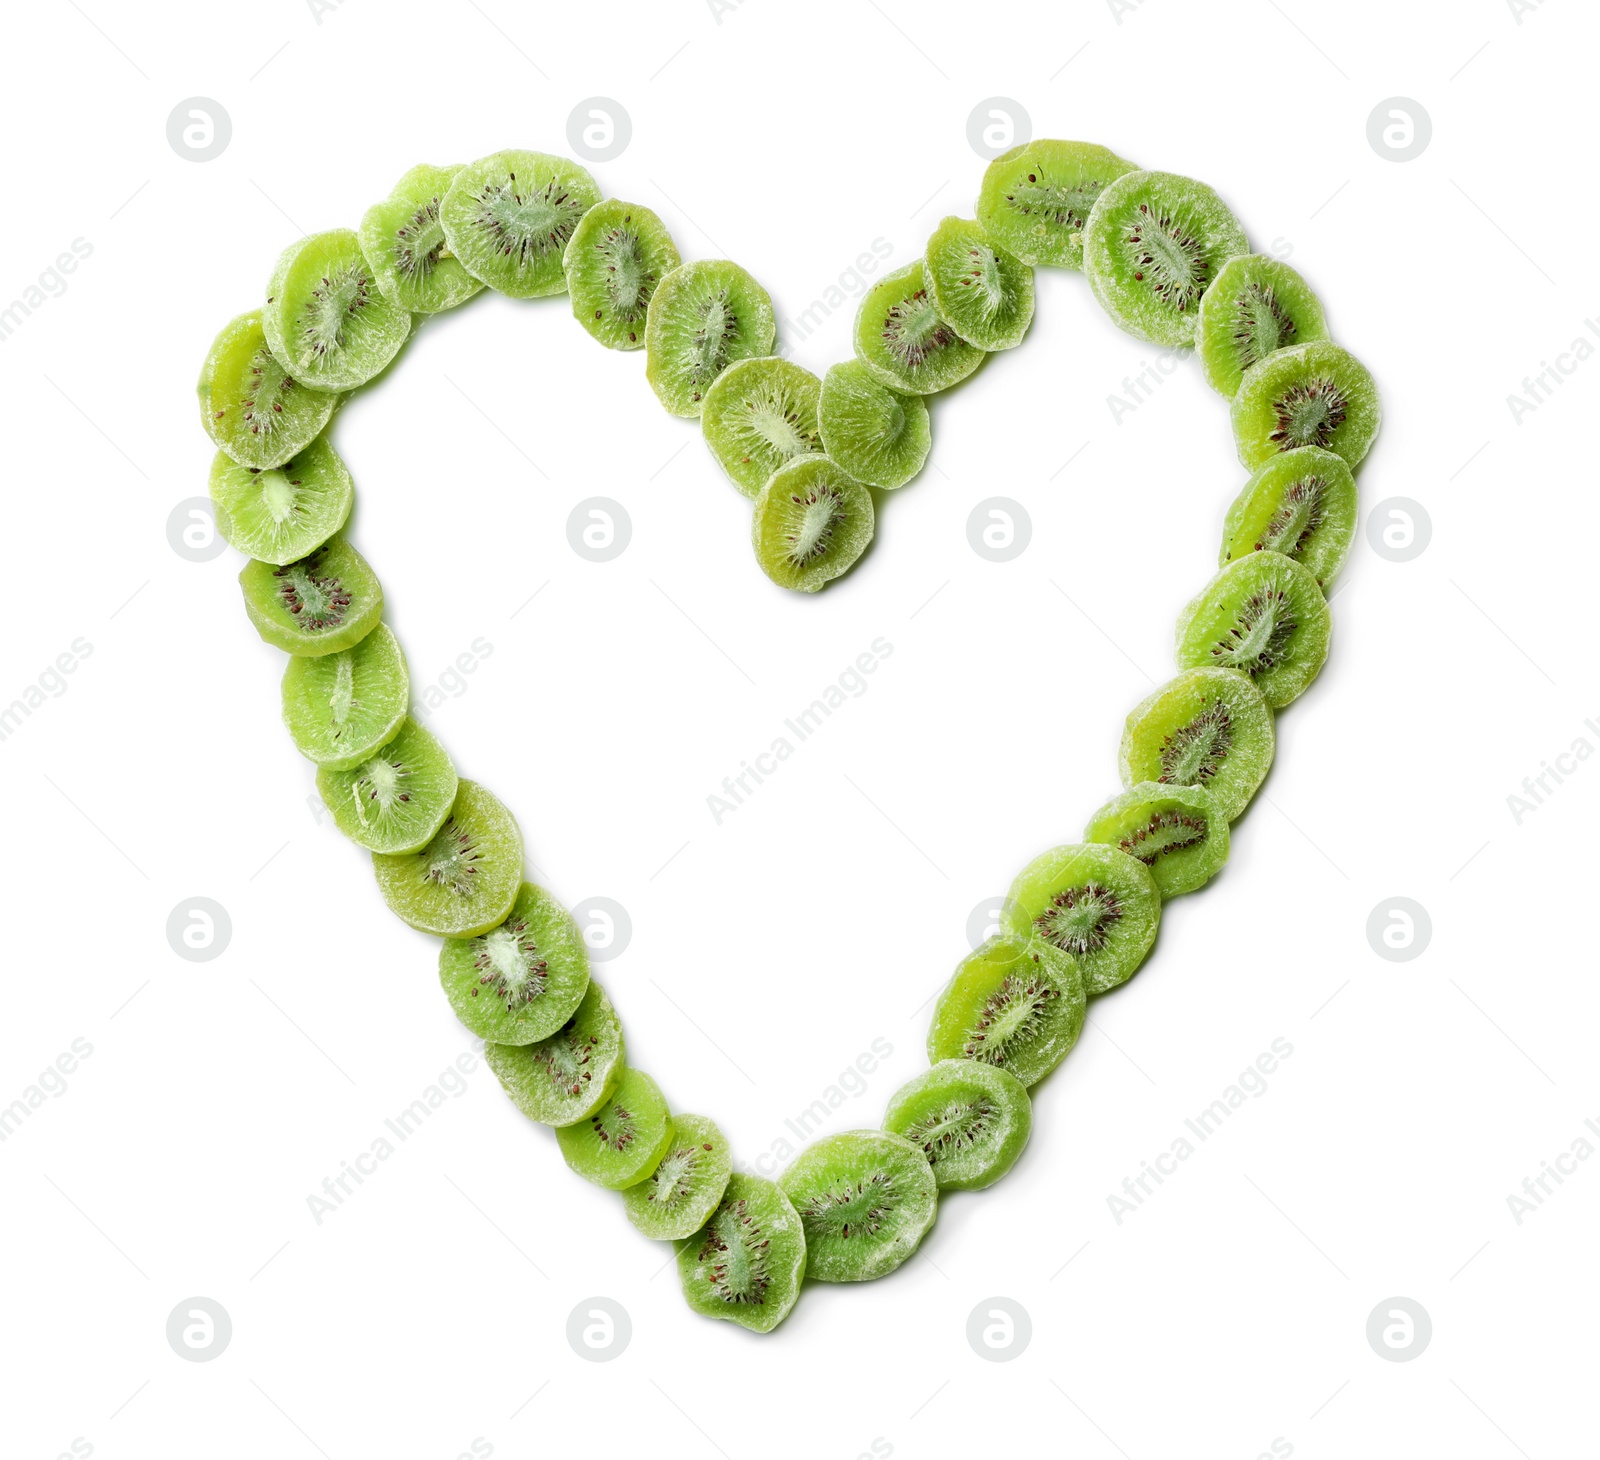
(326,318)
(1255,305)
(702,317)
(879,436)
(901,337)
(984,293)
(748,1261)
(677,1199)
(250,405)
(1301,504)
(617,255)
(1094,902)
(758,415)
(566,1076)
(280,513)
(1309,395)
(1207,728)
(623,1141)
(465,879)
(970,1120)
(520,982)
(508,218)
(1036,198)
(339,708)
(319,604)
(866,1199)
(1015,1003)
(811,523)
(403,242)
(1174,830)
(1154,243)
(395,799)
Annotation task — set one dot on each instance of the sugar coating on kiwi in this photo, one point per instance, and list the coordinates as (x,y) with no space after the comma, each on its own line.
(703,317)
(877,435)
(618,254)
(678,1198)
(901,337)
(568,1075)
(971,1120)
(1308,395)
(1174,830)
(318,604)
(811,523)
(339,708)
(761,414)
(1254,307)
(402,239)
(280,513)
(983,292)
(1301,504)
(398,797)
(1035,199)
(250,405)
(746,1264)
(623,1140)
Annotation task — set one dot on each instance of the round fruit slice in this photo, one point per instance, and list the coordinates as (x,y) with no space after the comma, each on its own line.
(1174,830)
(1301,504)
(677,1199)
(341,707)
(746,1264)
(703,317)
(396,799)
(509,217)
(1036,198)
(970,1120)
(866,1200)
(520,982)
(1255,306)
(326,318)
(402,240)
(566,1077)
(326,601)
(1311,395)
(618,253)
(1014,1003)
(1208,728)
(624,1140)
(759,415)
(1094,902)
(1154,243)
(811,523)
(465,879)
(250,405)
(280,513)
(983,292)
(1264,616)
(901,338)
(877,435)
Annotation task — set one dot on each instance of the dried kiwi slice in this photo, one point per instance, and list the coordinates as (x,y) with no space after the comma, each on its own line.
(326,318)
(970,1120)
(1174,830)
(520,982)
(341,707)
(811,523)
(508,218)
(1255,306)
(1310,395)
(1036,198)
(1207,727)
(984,293)
(397,799)
(464,881)
(879,436)
(1154,244)
(758,415)
(250,405)
(623,1141)
(866,1199)
(1264,616)
(677,1199)
(1091,901)
(1301,504)
(319,604)
(280,513)
(747,1263)
(403,242)
(1015,1003)
(703,317)
(901,337)
(617,255)
(567,1076)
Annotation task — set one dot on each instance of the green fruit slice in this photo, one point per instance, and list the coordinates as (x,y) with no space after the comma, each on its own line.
(879,436)
(759,415)
(567,1076)
(464,881)
(324,602)
(618,254)
(1036,198)
(901,337)
(280,513)
(397,798)
(677,1199)
(1174,830)
(747,1263)
(1311,395)
(811,523)
(403,243)
(623,1141)
(250,405)
(970,1120)
(983,292)
(339,708)
(1301,504)
(703,317)
(1255,306)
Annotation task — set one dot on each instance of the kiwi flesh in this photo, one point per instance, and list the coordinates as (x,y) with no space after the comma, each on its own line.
(1308,395)
(901,337)
(761,414)
(339,708)
(1154,244)
(465,879)
(984,293)
(618,254)
(250,405)
(1036,199)
(397,799)
(1174,830)
(677,1199)
(1301,504)
(746,1264)
(280,513)
(971,1120)
(623,1140)
(565,1077)
(1263,615)
(1208,728)
(877,435)
(811,523)
(703,317)
(319,604)
(403,242)
(1255,306)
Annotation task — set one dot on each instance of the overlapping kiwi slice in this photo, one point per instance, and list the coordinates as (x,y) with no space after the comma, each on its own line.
(397,798)
(339,708)
(748,1261)
(703,317)
(318,604)
(877,435)
(1263,615)
(250,405)
(280,513)
(1255,306)
(1174,830)
(623,1140)
(971,1121)
(678,1198)
(1036,199)
(566,1076)
(616,257)
(463,881)
(811,523)
(903,339)
(1208,728)
(402,239)
(1301,504)
(984,293)
(1308,395)
(761,414)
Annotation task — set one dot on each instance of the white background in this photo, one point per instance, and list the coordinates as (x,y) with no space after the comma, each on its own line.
(1230,1310)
